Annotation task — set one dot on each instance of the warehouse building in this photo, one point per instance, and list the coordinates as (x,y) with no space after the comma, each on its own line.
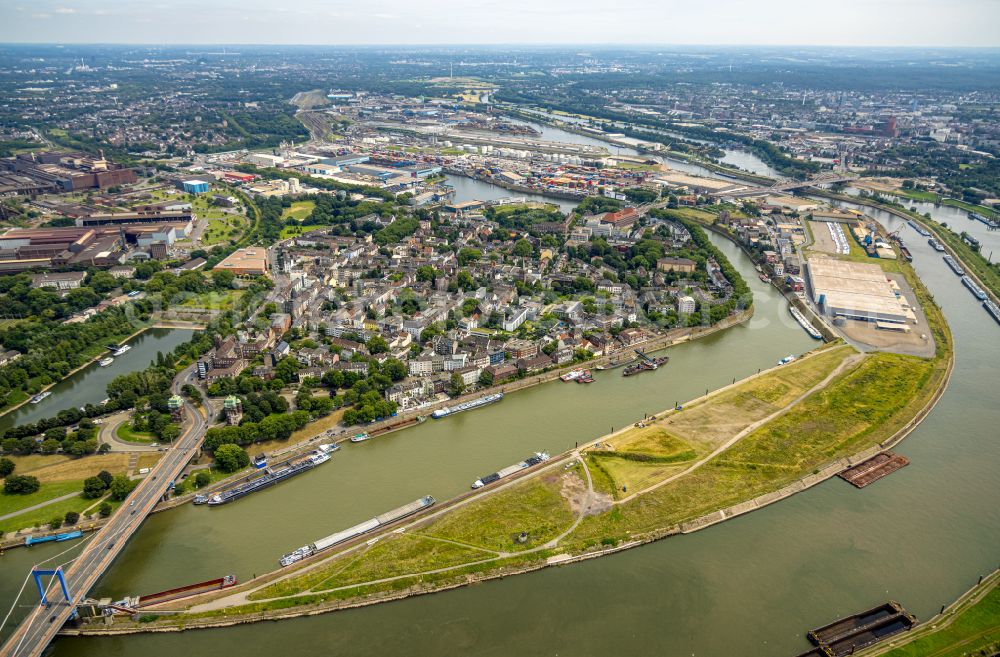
(195,186)
(856,290)
(245,262)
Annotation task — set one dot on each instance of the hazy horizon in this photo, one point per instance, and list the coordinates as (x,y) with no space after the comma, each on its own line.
(774,23)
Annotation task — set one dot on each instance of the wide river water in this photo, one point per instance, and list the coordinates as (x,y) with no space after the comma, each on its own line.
(750,586)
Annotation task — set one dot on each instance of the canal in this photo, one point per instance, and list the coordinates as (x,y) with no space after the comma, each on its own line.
(88,386)
(921,536)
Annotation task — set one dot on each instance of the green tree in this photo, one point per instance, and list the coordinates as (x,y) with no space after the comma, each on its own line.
(486,378)
(121,486)
(202,479)
(104,509)
(223,279)
(455,385)
(426,273)
(523,248)
(6,467)
(56,522)
(93,487)
(231,458)
(21,485)
(377,344)
(106,477)
(72,517)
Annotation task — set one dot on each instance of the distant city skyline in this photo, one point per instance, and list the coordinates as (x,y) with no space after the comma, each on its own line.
(913,23)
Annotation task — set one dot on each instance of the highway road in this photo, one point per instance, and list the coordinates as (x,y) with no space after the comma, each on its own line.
(40,627)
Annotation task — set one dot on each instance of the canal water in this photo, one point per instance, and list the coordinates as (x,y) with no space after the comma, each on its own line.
(921,536)
(88,386)
(470,189)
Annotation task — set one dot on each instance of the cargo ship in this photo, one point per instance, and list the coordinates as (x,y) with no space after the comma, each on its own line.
(906,252)
(955,267)
(853,633)
(534,459)
(466,406)
(357,530)
(992,225)
(920,229)
(268,479)
(992,309)
(104,362)
(975,289)
(58,538)
(140,601)
(935,244)
(40,396)
(804,323)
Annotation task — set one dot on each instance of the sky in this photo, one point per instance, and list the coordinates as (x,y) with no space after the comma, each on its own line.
(930,23)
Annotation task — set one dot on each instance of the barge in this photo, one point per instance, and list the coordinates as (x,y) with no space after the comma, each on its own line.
(906,253)
(270,477)
(57,538)
(467,406)
(848,635)
(937,246)
(870,471)
(992,309)
(955,267)
(975,289)
(644,363)
(534,459)
(920,229)
(992,225)
(140,601)
(357,530)
(804,323)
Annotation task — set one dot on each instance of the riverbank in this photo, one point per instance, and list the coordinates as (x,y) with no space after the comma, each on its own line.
(90,362)
(504,563)
(967,626)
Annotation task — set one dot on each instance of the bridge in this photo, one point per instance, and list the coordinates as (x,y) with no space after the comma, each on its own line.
(43,623)
(787,185)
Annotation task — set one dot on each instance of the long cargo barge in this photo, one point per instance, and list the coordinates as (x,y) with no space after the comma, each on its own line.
(804,323)
(992,225)
(870,471)
(138,602)
(937,246)
(852,633)
(955,267)
(920,229)
(992,309)
(467,406)
(270,477)
(58,538)
(975,289)
(534,459)
(357,530)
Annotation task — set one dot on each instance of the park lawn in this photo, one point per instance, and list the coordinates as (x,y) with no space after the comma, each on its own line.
(975,631)
(916,195)
(128,434)
(147,460)
(969,207)
(60,467)
(43,516)
(494,522)
(693,214)
(213,300)
(13,398)
(859,408)
(291,231)
(629,476)
(718,418)
(221,229)
(299,210)
(48,491)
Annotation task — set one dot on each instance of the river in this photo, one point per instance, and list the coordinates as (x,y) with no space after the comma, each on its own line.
(88,385)
(921,536)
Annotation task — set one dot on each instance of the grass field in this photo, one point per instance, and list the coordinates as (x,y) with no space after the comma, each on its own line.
(213,300)
(494,522)
(129,435)
(60,467)
(291,231)
(52,490)
(299,210)
(975,631)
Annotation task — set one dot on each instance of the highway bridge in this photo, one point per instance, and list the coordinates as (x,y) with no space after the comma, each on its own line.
(40,626)
(787,185)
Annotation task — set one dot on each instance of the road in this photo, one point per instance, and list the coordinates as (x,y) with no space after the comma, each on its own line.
(40,627)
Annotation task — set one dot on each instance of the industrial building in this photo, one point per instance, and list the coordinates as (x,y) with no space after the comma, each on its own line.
(66,172)
(245,262)
(856,290)
(195,186)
